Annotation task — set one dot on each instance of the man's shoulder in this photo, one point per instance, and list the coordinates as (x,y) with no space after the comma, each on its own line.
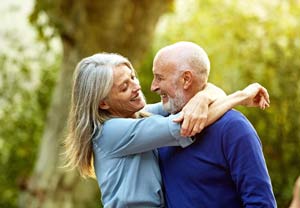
(231,116)
(232,120)
(235,122)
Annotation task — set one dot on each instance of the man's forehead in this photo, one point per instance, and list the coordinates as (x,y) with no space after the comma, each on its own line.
(163,67)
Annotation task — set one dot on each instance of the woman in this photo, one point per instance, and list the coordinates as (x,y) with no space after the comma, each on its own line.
(109,132)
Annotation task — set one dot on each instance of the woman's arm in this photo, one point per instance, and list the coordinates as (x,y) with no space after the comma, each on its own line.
(156,109)
(254,95)
(195,113)
(123,136)
(210,104)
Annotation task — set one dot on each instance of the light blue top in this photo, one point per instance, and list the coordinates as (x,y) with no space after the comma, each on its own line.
(126,162)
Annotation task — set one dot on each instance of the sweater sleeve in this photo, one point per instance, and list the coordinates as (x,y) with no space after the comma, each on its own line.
(121,137)
(243,151)
(157,109)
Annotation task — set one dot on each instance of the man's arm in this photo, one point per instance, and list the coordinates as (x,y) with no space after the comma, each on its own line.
(246,164)
(209,105)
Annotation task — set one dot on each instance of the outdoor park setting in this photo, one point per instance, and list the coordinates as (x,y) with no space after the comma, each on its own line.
(41,42)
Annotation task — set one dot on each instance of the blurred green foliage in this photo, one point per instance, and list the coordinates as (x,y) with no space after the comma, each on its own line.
(26,83)
(247,41)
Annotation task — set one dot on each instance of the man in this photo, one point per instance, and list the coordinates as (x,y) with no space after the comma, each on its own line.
(225,166)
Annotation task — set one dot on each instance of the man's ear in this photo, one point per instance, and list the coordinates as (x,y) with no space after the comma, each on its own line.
(103,105)
(187,79)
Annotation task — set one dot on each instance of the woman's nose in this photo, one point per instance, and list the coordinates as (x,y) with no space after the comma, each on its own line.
(137,85)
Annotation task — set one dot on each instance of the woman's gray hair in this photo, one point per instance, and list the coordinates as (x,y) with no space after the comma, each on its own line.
(93,80)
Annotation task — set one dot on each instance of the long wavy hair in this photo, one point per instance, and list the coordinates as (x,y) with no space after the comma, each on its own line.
(93,80)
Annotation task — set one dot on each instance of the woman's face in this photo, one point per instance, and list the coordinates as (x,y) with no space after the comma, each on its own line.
(126,97)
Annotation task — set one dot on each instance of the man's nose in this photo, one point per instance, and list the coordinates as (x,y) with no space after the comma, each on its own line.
(154,86)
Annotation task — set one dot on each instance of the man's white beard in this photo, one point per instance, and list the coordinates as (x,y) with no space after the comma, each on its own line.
(174,105)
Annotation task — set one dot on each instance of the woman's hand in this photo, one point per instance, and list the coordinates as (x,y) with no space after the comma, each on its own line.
(255,95)
(194,114)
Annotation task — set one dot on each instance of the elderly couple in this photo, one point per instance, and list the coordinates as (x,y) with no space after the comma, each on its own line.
(160,155)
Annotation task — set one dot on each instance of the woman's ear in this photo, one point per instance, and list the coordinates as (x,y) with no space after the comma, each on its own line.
(188,79)
(103,105)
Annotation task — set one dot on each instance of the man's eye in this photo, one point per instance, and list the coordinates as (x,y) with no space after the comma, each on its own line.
(133,77)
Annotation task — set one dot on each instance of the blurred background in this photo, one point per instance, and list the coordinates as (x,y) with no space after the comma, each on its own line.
(41,41)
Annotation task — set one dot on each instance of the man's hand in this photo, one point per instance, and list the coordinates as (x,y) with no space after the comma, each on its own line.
(255,95)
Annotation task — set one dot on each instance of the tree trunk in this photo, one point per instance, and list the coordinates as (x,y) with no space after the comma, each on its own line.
(85,27)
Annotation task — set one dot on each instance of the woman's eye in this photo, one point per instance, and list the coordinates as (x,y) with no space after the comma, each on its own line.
(124,88)
(132,77)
